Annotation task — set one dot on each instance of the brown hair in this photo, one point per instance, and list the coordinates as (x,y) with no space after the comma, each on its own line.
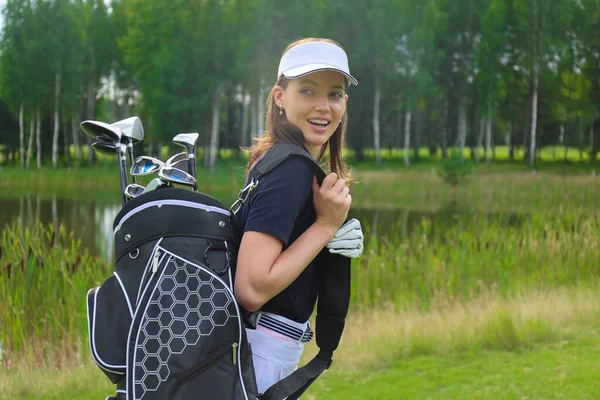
(279,129)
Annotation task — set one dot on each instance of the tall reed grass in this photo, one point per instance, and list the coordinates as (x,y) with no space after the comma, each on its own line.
(45,272)
(44,276)
(473,256)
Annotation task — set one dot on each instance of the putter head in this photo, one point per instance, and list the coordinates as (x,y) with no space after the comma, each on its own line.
(155,183)
(134,190)
(176,175)
(102,131)
(132,128)
(104,148)
(186,140)
(146,165)
(177,158)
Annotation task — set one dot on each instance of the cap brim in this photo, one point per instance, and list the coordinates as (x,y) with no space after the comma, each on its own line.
(310,68)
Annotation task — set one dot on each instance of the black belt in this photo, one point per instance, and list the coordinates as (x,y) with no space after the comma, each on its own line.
(285,329)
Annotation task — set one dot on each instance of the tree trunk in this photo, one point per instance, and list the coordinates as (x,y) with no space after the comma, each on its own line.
(407,137)
(21,136)
(66,145)
(416,142)
(480,139)
(592,148)
(462,125)
(488,135)
(444,128)
(30,144)
(580,138)
(75,132)
(91,114)
(254,113)
(376,132)
(534,97)
(510,142)
(214,134)
(261,109)
(398,133)
(244,128)
(38,135)
(493,148)
(56,118)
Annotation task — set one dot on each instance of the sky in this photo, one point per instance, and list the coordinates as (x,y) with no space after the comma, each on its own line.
(2,3)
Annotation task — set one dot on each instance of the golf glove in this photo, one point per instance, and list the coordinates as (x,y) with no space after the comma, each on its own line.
(348,241)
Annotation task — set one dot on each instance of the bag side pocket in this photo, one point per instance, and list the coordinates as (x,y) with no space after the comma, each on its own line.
(109,319)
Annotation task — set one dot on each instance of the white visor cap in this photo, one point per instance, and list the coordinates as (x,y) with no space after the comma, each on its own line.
(310,57)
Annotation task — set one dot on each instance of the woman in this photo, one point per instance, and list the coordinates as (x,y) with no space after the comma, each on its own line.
(289,219)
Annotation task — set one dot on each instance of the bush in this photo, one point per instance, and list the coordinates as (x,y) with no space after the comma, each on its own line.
(454,170)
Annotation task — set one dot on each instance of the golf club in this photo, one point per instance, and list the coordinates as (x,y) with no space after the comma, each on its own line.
(176,158)
(133,132)
(134,190)
(101,131)
(155,183)
(104,148)
(181,164)
(110,134)
(146,165)
(174,175)
(188,141)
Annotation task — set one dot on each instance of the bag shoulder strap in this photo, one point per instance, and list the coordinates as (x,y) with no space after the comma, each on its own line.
(334,293)
(281,152)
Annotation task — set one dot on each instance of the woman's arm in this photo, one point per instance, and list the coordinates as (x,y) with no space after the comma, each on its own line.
(264,270)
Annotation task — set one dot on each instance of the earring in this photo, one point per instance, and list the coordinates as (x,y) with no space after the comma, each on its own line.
(280,110)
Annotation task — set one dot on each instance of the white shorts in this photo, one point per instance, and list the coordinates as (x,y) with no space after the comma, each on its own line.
(275,357)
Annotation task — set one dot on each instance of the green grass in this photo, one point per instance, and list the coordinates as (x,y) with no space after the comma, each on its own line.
(565,370)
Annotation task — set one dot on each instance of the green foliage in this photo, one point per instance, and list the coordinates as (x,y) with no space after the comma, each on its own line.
(170,58)
(44,275)
(454,170)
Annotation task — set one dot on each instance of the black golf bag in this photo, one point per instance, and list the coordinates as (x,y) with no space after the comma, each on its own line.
(166,325)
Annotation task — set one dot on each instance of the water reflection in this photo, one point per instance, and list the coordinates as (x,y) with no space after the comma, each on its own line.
(397,224)
(90,220)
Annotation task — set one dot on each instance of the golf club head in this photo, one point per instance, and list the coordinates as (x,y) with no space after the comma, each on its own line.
(181,164)
(186,140)
(133,190)
(176,158)
(102,131)
(104,148)
(132,128)
(155,183)
(146,165)
(175,175)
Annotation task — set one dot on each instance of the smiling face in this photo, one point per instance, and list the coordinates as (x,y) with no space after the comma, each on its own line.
(315,103)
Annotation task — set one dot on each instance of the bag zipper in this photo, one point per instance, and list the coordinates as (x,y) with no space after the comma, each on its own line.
(182,378)
(155,261)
